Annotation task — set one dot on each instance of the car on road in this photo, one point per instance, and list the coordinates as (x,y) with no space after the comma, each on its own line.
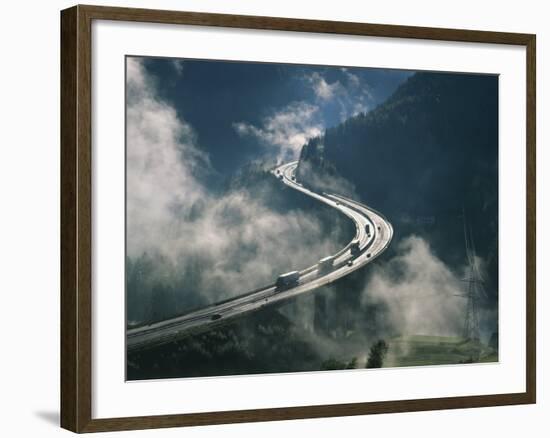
(350,263)
(215,317)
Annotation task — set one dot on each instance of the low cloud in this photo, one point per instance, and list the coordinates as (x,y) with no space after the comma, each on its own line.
(179,66)
(322,89)
(320,180)
(202,247)
(349,94)
(286,130)
(158,145)
(418,292)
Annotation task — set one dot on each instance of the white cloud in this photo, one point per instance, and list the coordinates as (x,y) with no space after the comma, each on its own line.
(322,89)
(350,95)
(179,65)
(353,79)
(287,130)
(157,145)
(323,181)
(419,291)
(200,243)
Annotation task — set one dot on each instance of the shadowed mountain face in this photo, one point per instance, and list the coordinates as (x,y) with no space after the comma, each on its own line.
(427,153)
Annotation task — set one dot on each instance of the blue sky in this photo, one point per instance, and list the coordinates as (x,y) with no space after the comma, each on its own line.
(242,111)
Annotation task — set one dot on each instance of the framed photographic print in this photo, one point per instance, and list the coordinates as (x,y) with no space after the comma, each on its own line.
(268,218)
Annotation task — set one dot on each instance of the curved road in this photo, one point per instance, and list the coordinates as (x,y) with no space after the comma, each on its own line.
(371,246)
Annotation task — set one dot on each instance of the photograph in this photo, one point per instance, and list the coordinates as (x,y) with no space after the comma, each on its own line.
(285,218)
(250,219)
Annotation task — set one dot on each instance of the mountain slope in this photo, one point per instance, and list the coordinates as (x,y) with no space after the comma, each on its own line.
(427,153)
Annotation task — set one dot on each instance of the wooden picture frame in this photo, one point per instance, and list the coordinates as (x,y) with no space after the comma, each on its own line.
(76,217)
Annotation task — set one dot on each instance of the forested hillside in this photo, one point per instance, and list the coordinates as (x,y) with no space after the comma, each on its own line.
(423,157)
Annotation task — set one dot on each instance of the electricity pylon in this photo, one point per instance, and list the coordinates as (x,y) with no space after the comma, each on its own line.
(475,290)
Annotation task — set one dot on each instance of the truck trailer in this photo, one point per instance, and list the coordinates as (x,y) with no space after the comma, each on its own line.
(326,264)
(288,280)
(354,248)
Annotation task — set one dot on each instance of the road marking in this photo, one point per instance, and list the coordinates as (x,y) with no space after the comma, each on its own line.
(201,320)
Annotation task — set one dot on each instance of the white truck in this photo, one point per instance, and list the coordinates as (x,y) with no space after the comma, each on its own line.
(288,280)
(355,248)
(325,264)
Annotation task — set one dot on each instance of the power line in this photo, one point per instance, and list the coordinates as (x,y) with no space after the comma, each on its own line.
(475,290)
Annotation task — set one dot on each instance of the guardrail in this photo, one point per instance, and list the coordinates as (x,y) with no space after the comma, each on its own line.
(174,321)
(388,223)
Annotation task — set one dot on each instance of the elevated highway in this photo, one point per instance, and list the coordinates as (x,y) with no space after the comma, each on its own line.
(363,249)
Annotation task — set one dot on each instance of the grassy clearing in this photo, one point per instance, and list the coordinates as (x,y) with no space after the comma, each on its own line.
(436,350)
